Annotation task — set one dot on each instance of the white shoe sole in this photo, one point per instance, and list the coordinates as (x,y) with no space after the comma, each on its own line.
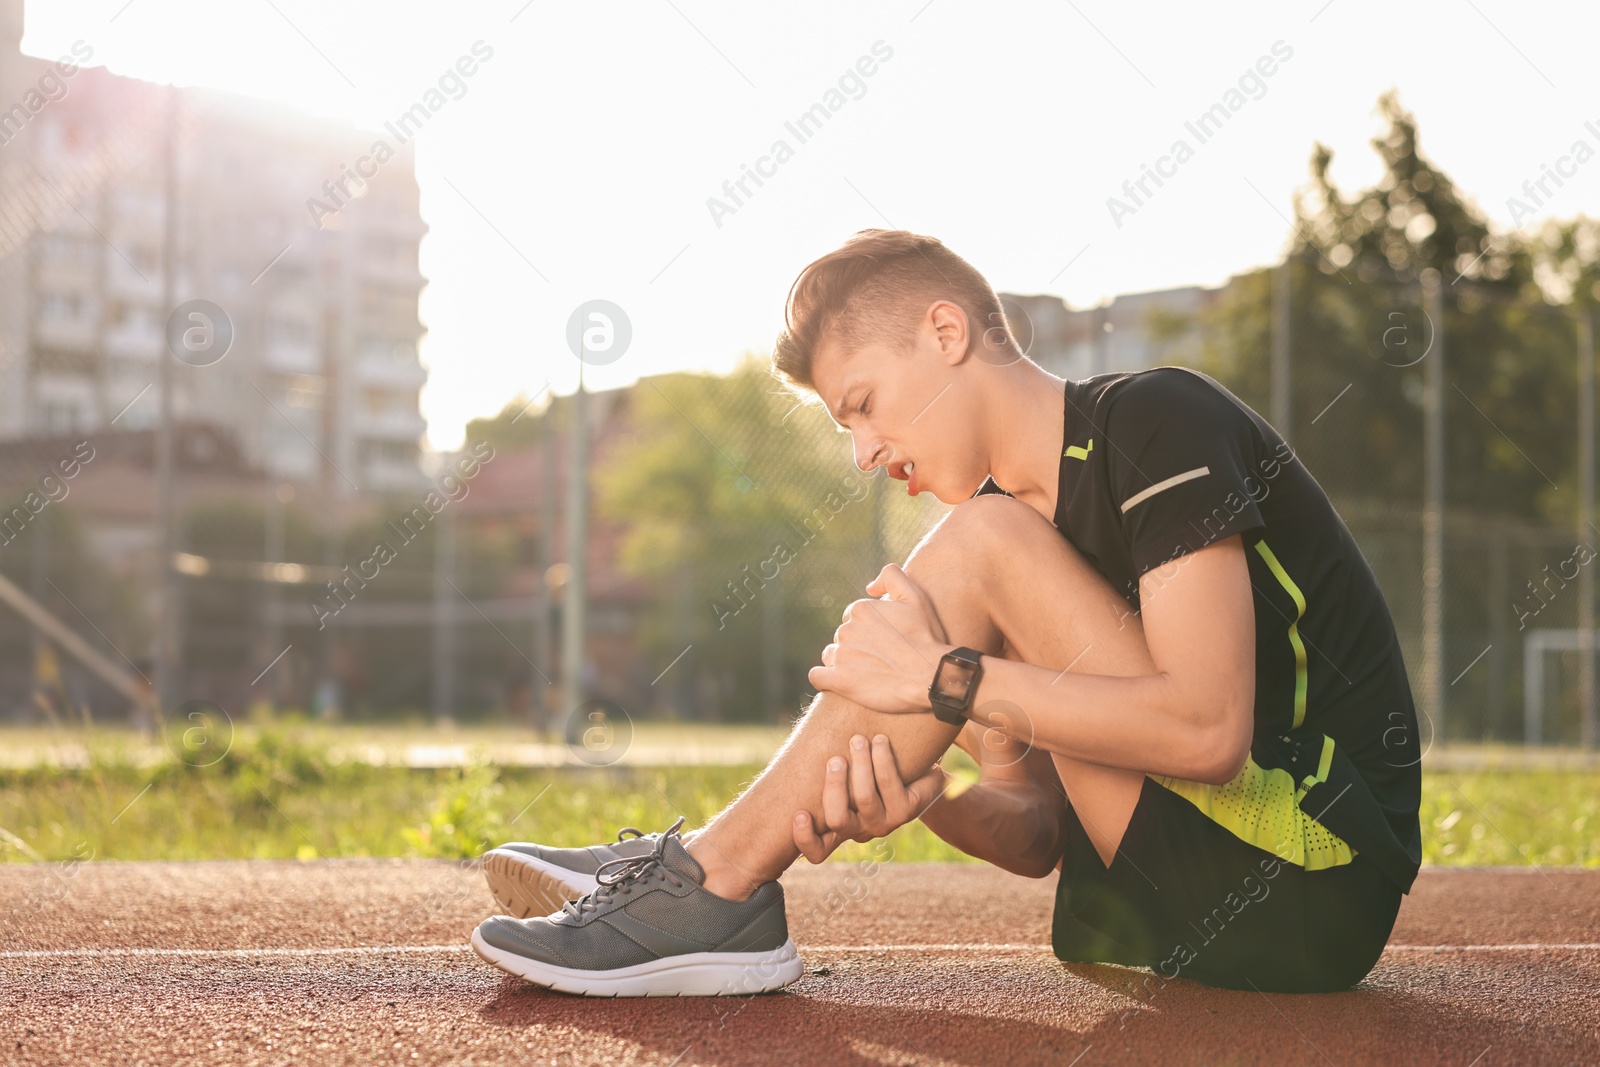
(525,886)
(693,974)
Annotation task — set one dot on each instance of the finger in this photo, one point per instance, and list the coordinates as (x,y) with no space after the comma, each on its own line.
(922,792)
(890,787)
(863,787)
(899,585)
(875,587)
(821,678)
(805,838)
(835,798)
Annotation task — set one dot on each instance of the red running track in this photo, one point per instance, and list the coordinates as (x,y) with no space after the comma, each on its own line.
(364,961)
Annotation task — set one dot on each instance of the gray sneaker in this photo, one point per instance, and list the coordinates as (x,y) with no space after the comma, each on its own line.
(651,929)
(528,879)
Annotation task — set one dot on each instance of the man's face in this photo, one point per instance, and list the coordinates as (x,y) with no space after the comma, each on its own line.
(921,419)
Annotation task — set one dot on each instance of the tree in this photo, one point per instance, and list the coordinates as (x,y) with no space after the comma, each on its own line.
(742,504)
(1359,333)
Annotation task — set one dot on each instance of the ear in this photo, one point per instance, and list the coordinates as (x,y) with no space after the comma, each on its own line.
(952,332)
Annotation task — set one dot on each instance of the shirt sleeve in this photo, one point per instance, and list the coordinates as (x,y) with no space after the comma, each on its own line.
(1179,457)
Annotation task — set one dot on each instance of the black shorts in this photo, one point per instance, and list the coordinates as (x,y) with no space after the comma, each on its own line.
(1187,898)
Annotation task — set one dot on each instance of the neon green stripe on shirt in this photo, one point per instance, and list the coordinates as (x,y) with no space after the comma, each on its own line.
(1294,631)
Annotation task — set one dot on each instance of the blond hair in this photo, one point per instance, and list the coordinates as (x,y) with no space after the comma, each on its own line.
(875,288)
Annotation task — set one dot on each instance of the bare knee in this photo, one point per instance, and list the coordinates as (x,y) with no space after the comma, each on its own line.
(953,563)
(965,539)
(1035,595)
(982,520)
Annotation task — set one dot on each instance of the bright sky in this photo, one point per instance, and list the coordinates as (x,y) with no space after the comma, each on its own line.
(579,161)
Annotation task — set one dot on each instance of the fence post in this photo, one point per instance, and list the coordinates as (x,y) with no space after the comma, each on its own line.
(444,613)
(574,622)
(168,643)
(541,714)
(1499,638)
(1433,698)
(1282,384)
(1586,680)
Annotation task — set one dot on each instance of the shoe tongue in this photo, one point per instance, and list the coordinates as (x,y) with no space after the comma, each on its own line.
(677,858)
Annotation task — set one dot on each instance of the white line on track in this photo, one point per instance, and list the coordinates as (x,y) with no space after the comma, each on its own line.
(384,950)
(1578,946)
(1531,946)
(340,950)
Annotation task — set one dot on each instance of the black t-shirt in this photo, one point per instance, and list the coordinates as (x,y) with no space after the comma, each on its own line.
(1162,462)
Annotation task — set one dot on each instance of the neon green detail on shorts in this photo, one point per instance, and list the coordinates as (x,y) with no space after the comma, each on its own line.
(1078,452)
(1263,807)
(1294,632)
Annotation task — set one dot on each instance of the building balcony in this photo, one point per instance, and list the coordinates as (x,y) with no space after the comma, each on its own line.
(392,275)
(388,475)
(134,344)
(394,424)
(292,357)
(123,282)
(67,274)
(56,332)
(390,373)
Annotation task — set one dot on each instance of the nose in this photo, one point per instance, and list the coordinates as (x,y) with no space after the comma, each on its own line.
(866,455)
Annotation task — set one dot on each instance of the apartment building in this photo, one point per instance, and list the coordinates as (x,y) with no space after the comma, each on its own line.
(320,382)
(1132,332)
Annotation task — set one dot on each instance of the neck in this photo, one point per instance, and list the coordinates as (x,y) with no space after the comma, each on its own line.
(1026,411)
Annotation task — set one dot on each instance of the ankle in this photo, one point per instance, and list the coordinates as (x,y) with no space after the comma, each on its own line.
(722,878)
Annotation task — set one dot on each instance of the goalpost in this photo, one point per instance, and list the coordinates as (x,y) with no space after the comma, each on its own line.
(1534,647)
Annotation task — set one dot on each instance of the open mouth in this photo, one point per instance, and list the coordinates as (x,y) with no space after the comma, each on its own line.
(906,472)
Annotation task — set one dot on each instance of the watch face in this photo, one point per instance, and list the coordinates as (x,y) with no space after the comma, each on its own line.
(953,681)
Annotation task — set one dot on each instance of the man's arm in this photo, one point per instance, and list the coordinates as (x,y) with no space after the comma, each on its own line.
(1192,719)
(1014,816)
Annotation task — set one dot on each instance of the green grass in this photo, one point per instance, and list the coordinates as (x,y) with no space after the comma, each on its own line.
(276,797)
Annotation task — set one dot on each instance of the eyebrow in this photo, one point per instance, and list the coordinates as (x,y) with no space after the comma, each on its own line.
(839,415)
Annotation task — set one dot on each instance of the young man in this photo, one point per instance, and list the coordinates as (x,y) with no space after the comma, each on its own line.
(1143,617)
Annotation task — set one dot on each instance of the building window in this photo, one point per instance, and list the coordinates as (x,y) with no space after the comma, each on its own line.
(57,417)
(388,453)
(388,303)
(64,305)
(67,250)
(386,350)
(288,330)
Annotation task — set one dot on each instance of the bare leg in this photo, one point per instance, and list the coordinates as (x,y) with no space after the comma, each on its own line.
(1000,578)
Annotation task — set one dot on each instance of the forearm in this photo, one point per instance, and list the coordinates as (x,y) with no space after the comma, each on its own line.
(1006,824)
(1140,722)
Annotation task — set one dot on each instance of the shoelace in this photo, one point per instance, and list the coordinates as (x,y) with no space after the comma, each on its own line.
(618,875)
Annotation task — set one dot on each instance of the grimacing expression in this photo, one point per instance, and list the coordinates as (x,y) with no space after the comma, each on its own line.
(903,412)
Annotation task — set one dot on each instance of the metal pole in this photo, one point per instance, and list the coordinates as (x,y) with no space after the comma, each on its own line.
(1499,637)
(1586,678)
(1433,698)
(444,631)
(1282,391)
(276,553)
(539,708)
(1102,338)
(683,675)
(573,613)
(772,641)
(41,574)
(167,596)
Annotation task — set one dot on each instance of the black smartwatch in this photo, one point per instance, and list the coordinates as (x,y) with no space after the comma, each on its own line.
(954,681)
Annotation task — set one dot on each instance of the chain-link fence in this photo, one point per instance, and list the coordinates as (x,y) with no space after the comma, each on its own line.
(1352,363)
(729,527)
